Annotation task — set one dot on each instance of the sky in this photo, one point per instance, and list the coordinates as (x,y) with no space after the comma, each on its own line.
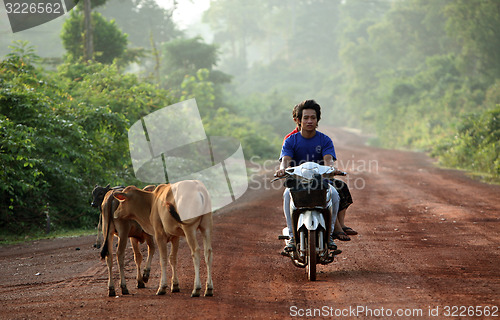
(187,12)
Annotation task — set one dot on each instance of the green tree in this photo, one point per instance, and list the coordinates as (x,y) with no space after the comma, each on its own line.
(314,38)
(61,133)
(42,149)
(142,20)
(236,24)
(109,42)
(200,88)
(475,25)
(475,145)
(184,57)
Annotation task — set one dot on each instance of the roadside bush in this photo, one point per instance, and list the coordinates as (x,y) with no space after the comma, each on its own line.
(42,151)
(62,133)
(476,144)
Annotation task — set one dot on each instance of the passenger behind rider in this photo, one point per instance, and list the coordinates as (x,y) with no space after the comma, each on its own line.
(341,231)
(308,144)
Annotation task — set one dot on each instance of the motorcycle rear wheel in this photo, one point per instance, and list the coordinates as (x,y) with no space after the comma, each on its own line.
(311,255)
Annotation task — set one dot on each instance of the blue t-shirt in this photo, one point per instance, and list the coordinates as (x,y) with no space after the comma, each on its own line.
(313,149)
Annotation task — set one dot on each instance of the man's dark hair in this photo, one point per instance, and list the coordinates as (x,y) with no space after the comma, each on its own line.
(307,104)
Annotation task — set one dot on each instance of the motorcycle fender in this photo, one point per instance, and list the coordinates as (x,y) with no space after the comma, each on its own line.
(311,220)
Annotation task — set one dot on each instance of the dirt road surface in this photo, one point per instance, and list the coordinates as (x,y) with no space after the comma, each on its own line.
(428,248)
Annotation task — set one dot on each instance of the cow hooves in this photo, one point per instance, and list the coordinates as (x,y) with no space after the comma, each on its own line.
(196,293)
(111,293)
(161,291)
(175,288)
(140,284)
(209,292)
(125,291)
(145,275)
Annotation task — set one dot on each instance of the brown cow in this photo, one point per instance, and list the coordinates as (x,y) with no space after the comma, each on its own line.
(159,212)
(123,229)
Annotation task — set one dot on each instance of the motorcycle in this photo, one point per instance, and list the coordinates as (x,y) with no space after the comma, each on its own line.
(311,218)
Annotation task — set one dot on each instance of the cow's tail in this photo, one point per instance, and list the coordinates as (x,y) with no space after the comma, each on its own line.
(174,213)
(107,219)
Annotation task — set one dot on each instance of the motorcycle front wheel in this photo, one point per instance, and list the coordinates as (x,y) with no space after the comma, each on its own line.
(311,255)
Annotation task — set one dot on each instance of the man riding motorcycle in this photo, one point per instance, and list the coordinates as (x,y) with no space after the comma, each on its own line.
(308,145)
(341,231)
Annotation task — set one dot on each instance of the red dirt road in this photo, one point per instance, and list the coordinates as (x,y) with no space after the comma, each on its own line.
(428,248)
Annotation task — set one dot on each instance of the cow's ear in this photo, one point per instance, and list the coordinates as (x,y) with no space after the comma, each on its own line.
(120,196)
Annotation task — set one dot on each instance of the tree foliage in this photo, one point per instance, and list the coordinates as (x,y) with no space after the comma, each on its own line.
(109,42)
(475,145)
(64,131)
(39,171)
(142,20)
(475,25)
(184,57)
(61,133)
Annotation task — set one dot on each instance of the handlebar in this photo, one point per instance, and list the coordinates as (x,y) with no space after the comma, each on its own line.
(341,173)
(325,171)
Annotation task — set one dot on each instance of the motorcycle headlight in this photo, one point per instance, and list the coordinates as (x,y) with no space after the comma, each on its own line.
(308,173)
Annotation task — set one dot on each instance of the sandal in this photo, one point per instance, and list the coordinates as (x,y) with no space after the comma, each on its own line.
(290,246)
(341,235)
(331,243)
(349,231)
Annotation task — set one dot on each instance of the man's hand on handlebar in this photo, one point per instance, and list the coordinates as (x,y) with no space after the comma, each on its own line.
(337,172)
(280,173)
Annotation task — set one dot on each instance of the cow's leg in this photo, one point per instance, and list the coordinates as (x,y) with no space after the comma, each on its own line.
(195,254)
(120,256)
(138,260)
(173,264)
(109,262)
(161,241)
(151,252)
(207,246)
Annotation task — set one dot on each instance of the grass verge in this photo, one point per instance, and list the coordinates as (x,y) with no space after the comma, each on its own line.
(9,238)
